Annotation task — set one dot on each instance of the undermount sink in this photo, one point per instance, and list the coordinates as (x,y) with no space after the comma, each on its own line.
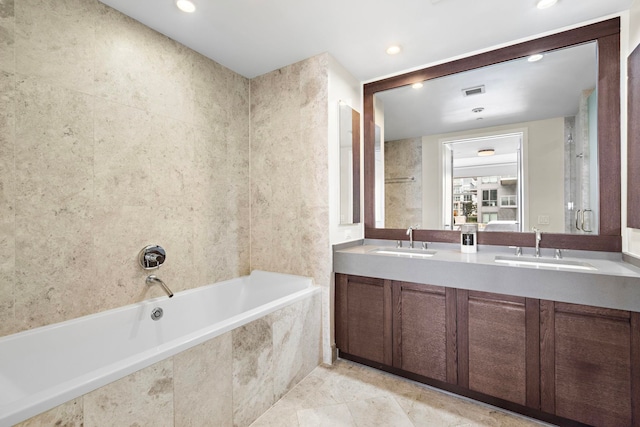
(552,263)
(405,252)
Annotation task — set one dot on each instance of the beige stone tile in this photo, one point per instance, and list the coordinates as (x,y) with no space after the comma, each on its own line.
(7,144)
(54,150)
(7,200)
(7,283)
(122,146)
(168,81)
(314,88)
(213,248)
(277,416)
(314,173)
(346,383)
(55,41)
(221,245)
(296,342)
(432,407)
(68,414)
(309,393)
(145,396)
(119,235)
(138,67)
(386,383)
(275,99)
(203,384)
(171,157)
(53,267)
(328,416)
(7,36)
(208,181)
(239,105)
(211,86)
(252,371)
(53,188)
(379,411)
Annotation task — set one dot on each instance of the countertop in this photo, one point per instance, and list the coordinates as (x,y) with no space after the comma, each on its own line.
(614,284)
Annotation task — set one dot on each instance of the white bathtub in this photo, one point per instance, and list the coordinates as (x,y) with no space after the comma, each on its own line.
(44,367)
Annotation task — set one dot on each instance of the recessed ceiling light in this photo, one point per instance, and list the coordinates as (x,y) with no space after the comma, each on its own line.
(543,4)
(535,58)
(417,85)
(393,50)
(486,152)
(186,5)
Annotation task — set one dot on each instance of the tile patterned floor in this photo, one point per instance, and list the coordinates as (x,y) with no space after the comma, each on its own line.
(351,395)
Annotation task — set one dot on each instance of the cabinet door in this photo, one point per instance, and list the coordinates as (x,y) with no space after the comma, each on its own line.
(424,330)
(498,338)
(363,317)
(590,364)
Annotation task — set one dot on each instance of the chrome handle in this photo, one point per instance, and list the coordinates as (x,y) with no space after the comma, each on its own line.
(152,257)
(578,213)
(586,214)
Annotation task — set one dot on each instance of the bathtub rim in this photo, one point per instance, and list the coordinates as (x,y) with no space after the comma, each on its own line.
(22,409)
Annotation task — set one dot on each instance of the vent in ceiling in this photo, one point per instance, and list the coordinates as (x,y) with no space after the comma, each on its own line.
(477,90)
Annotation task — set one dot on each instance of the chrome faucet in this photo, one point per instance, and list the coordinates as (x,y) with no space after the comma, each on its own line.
(410,234)
(153,280)
(538,238)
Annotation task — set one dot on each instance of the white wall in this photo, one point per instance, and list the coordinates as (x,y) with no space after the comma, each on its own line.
(342,87)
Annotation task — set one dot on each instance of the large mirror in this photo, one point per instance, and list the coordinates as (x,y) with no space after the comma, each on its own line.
(508,146)
(504,141)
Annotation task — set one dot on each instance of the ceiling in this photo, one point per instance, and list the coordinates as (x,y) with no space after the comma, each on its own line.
(517,91)
(253,37)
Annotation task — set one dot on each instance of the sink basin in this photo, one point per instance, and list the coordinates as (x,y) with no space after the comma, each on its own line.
(552,263)
(405,252)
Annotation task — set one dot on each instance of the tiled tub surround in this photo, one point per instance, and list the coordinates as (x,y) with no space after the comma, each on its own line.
(221,355)
(113,137)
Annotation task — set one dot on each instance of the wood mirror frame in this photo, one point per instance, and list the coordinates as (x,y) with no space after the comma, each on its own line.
(607,35)
(633,138)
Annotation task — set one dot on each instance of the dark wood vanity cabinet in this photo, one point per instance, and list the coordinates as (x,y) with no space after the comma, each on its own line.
(498,338)
(563,363)
(590,364)
(363,317)
(424,330)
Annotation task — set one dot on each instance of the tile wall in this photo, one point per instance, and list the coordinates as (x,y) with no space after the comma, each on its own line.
(112,137)
(289,174)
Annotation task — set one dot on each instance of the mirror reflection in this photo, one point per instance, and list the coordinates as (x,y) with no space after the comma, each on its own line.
(349,164)
(509,147)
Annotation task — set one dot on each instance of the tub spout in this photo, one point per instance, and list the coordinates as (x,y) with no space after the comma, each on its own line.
(153,280)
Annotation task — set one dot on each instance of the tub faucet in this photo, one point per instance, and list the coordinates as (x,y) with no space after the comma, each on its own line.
(538,238)
(153,280)
(410,234)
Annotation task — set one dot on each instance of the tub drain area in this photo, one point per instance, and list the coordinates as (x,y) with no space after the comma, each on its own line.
(156,313)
